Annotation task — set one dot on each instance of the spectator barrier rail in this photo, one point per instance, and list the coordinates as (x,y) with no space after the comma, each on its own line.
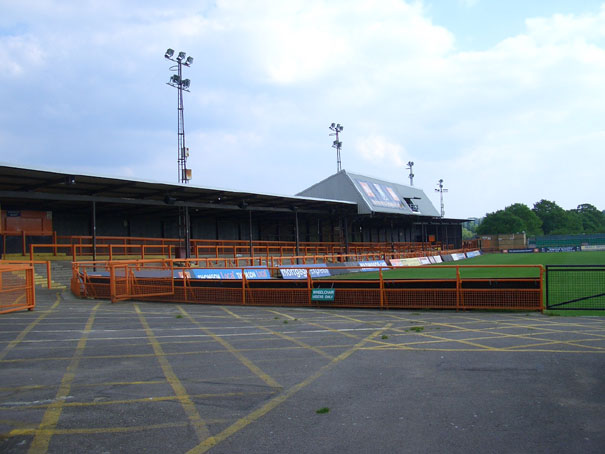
(17,290)
(457,287)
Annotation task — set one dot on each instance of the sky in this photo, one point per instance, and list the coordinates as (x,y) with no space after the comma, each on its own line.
(504,101)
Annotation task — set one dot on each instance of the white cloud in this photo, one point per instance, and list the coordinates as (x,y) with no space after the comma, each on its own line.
(378,149)
(19,54)
(270,76)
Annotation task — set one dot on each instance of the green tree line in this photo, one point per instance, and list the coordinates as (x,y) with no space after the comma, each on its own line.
(545,218)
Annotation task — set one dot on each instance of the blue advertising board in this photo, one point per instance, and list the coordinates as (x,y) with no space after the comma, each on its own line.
(300,271)
(229,273)
(373,263)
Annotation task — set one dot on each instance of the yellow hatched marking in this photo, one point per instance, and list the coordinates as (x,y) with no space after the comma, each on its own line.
(327,328)
(273,403)
(188,406)
(53,412)
(245,361)
(26,331)
(149,400)
(103,430)
(283,336)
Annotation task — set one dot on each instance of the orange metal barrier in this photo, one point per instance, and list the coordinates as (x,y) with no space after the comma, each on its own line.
(32,263)
(233,248)
(119,281)
(110,251)
(17,291)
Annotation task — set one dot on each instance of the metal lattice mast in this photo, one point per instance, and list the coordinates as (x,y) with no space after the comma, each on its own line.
(409,167)
(337,128)
(440,189)
(177,81)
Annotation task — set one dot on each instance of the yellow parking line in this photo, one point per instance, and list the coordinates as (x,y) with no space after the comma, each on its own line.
(107,430)
(188,406)
(53,412)
(243,422)
(283,336)
(148,400)
(31,326)
(327,328)
(245,361)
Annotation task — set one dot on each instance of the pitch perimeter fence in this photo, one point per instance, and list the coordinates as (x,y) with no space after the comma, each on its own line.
(458,287)
(17,291)
(575,287)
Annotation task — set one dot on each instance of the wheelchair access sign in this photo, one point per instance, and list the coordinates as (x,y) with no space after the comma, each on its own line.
(323,294)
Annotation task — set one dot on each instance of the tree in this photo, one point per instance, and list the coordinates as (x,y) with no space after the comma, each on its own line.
(500,222)
(571,224)
(593,220)
(467,234)
(553,217)
(533,224)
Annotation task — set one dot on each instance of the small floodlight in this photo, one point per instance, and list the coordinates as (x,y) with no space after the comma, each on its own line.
(174,79)
(181,56)
(169,53)
(339,127)
(189,61)
(186,83)
(332,126)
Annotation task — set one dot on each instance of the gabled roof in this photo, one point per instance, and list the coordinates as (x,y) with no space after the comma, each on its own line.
(373,195)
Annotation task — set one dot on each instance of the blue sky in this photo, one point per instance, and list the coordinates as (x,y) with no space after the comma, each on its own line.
(502,100)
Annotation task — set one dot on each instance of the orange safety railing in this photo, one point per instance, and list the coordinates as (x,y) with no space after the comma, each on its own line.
(234,249)
(110,251)
(17,291)
(46,263)
(458,287)
(83,243)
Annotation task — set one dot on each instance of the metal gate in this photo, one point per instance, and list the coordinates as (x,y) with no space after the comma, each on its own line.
(575,287)
(125,284)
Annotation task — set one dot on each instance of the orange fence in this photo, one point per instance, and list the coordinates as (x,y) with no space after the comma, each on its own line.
(81,246)
(17,291)
(81,251)
(46,264)
(456,287)
(76,251)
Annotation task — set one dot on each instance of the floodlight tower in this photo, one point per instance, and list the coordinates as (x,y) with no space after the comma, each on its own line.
(177,81)
(337,128)
(441,190)
(409,167)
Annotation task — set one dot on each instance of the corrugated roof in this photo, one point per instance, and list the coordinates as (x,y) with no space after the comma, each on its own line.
(374,195)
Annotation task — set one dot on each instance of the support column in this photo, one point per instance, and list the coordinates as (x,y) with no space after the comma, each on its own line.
(346,227)
(94,229)
(187,234)
(296,235)
(250,232)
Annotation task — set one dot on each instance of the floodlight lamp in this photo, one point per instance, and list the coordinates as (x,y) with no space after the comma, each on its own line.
(169,53)
(181,56)
(332,126)
(186,83)
(339,127)
(189,61)
(335,143)
(174,79)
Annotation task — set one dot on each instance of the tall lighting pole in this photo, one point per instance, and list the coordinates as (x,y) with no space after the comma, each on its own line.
(409,167)
(440,189)
(337,128)
(177,81)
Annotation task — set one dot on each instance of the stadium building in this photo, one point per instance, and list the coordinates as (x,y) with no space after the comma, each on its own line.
(39,206)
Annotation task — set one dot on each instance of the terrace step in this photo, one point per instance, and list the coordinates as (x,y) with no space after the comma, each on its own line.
(61,273)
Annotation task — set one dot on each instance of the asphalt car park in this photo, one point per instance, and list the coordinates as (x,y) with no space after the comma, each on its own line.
(91,376)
